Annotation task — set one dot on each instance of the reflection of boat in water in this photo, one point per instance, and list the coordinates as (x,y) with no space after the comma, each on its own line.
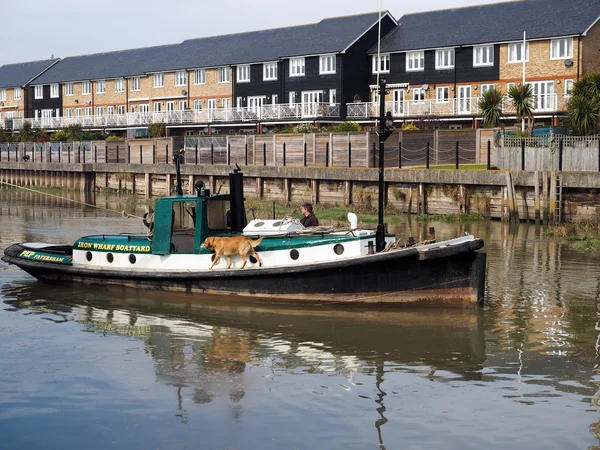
(451,339)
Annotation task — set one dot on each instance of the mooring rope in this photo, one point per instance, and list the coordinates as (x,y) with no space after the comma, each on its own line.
(122,213)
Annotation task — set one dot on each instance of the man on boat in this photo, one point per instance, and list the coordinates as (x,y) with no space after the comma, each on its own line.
(309,219)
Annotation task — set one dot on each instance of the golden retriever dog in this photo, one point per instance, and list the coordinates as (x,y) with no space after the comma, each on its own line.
(229,246)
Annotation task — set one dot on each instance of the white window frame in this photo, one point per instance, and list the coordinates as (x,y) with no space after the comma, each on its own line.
(512,53)
(243,73)
(38,92)
(159,80)
(555,47)
(99,111)
(415,61)
(211,104)
(380,64)
(569,88)
(157,107)
(69,112)
(86,88)
(10,115)
(418,92)
(134,84)
(2,95)
(332,96)
(274,99)
(442,89)
(197,105)
(292,98)
(486,87)
(180,78)
(199,76)
(270,71)
(223,75)
(17,93)
(120,110)
(297,67)
(444,58)
(77,112)
(69,91)
(483,56)
(327,64)
(87,111)
(110,110)
(225,103)
(119,85)
(54,90)
(182,105)
(170,106)
(100,86)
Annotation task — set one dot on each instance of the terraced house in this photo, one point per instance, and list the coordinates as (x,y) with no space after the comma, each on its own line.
(441,74)
(241,80)
(15,90)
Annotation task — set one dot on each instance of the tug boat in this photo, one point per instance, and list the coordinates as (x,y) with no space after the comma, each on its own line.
(298,265)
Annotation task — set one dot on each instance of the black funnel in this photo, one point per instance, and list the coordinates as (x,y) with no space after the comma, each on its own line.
(238,210)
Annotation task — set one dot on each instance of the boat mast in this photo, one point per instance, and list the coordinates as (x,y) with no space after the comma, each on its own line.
(380,235)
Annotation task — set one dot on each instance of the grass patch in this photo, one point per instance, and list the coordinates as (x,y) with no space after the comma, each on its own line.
(451,218)
(453,167)
(588,245)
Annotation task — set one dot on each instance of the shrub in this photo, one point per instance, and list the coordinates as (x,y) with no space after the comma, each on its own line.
(348,126)
(300,129)
(113,138)
(409,126)
(59,136)
(156,130)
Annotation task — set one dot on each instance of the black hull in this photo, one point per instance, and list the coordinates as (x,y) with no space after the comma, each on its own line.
(448,276)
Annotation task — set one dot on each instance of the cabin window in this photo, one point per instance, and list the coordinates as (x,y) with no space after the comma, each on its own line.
(218,215)
(183,227)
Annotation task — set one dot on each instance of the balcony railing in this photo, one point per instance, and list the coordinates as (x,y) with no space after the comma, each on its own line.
(453,107)
(220,115)
(467,106)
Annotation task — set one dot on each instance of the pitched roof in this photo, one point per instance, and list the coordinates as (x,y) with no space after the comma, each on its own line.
(498,22)
(331,35)
(14,75)
(96,66)
(327,36)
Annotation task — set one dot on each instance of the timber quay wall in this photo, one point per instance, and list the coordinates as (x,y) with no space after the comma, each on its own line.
(526,195)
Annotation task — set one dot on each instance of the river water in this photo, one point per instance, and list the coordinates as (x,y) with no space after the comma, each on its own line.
(104,367)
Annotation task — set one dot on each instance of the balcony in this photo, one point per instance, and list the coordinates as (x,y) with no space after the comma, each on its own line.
(467,106)
(208,116)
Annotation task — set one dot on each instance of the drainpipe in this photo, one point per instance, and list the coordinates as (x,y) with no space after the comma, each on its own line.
(92,88)
(127,80)
(578,54)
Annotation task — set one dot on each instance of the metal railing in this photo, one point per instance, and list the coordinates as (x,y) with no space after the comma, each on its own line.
(207,116)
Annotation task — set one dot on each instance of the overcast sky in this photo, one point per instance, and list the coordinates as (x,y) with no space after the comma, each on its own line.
(38,29)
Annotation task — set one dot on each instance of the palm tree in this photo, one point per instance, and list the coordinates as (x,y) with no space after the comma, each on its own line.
(584,107)
(521,98)
(490,105)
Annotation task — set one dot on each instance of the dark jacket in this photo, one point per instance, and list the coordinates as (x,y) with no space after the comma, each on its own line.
(310,221)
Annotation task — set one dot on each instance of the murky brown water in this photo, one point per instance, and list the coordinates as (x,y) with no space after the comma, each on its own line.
(98,367)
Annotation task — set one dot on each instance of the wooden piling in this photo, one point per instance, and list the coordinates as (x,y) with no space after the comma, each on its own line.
(536,187)
(545,192)
(147,186)
(552,197)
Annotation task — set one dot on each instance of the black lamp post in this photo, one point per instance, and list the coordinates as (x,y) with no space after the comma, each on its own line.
(385,129)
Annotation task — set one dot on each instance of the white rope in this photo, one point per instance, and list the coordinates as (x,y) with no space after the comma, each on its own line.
(122,213)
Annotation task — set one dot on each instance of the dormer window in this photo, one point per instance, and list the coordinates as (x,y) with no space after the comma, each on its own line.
(381,63)
(444,58)
(327,64)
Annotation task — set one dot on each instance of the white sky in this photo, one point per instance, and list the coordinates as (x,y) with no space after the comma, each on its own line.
(37,29)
